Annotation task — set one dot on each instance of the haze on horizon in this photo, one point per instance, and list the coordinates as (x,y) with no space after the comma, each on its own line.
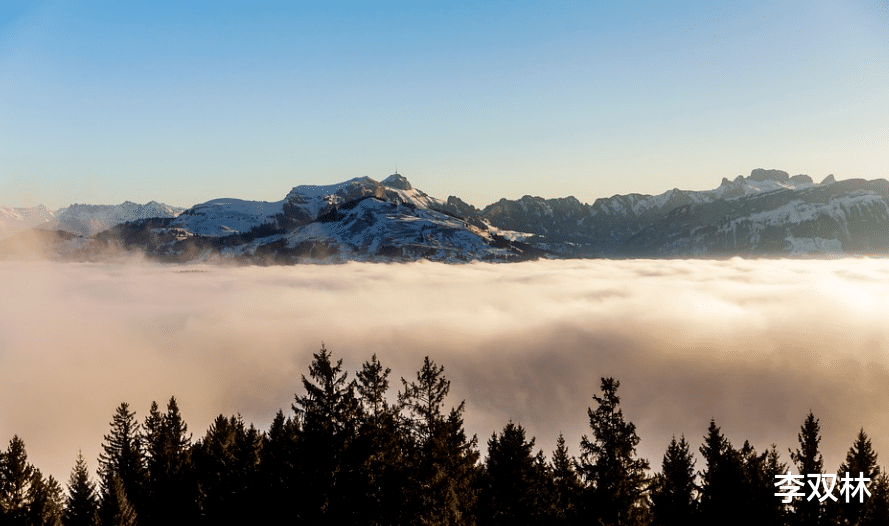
(183,102)
(755,344)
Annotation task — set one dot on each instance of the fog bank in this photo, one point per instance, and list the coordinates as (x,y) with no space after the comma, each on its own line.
(753,344)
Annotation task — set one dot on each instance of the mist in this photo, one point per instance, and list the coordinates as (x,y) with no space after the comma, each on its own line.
(754,344)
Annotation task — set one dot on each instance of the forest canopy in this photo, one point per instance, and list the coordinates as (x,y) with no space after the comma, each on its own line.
(350,452)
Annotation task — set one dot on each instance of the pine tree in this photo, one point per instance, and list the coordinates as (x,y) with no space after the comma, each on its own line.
(16,481)
(616,477)
(757,489)
(122,457)
(82,502)
(860,459)
(424,399)
(673,500)
(115,508)
(724,490)
(46,502)
(278,471)
(171,489)
(808,461)
(227,463)
(373,382)
(514,485)
(328,415)
(566,485)
(442,462)
(379,451)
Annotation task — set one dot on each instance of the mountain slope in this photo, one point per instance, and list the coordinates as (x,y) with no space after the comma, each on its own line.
(768,213)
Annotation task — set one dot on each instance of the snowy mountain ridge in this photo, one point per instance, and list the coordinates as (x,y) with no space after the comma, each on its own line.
(767,213)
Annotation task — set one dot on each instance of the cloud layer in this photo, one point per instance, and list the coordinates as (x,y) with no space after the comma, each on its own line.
(753,344)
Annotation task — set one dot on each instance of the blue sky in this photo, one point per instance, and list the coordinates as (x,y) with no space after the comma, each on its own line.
(182,102)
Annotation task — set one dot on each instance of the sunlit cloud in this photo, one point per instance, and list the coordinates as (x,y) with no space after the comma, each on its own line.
(753,344)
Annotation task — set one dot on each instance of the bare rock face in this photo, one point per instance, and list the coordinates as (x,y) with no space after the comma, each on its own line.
(397,181)
(760,174)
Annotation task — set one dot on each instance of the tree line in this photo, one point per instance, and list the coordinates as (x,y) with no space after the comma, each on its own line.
(346,455)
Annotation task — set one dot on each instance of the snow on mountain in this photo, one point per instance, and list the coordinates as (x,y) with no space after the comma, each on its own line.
(398,188)
(89,220)
(302,205)
(765,214)
(222,217)
(305,203)
(375,229)
(760,181)
(14,220)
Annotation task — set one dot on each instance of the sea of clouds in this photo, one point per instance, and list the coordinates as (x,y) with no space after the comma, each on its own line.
(754,344)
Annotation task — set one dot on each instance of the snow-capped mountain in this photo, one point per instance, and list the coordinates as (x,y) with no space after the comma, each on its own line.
(768,213)
(82,220)
(359,219)
(14,220)
(89,220)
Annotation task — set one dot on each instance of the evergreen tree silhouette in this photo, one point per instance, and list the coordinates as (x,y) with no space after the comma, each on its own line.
(723,490)
(82,502)
(616,478)
(278,471)
(861,458)
(115,508)
(514,487)
(379,451)
(442,462)
(757,490)
(171,489)
(227,464)
(808,461)
(122,459)
(567,487)
(16,481)
(329,415)
(674,499)
(46,502)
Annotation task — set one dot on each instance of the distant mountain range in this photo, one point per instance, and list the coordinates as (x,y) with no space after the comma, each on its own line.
(83,220)
(768,213)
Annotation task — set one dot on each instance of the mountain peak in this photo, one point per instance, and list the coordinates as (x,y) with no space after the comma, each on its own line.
(397,181)
(760,174)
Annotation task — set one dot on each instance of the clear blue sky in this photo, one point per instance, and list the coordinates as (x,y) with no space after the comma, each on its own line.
(182,102)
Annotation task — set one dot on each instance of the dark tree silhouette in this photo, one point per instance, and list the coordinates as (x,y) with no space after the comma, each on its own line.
(122,458)
(46,502)
(757,486)
(379,451)
(514,488)
(860,459)
(329,415)
(442,462)
(808,461)
(227,464)
(616,478)
(16,479)
(116,509)
(82,502)
(674,499)
(171,489)
(567,488)
(723,490)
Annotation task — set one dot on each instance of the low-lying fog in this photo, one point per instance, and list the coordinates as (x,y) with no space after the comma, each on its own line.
(753,344)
